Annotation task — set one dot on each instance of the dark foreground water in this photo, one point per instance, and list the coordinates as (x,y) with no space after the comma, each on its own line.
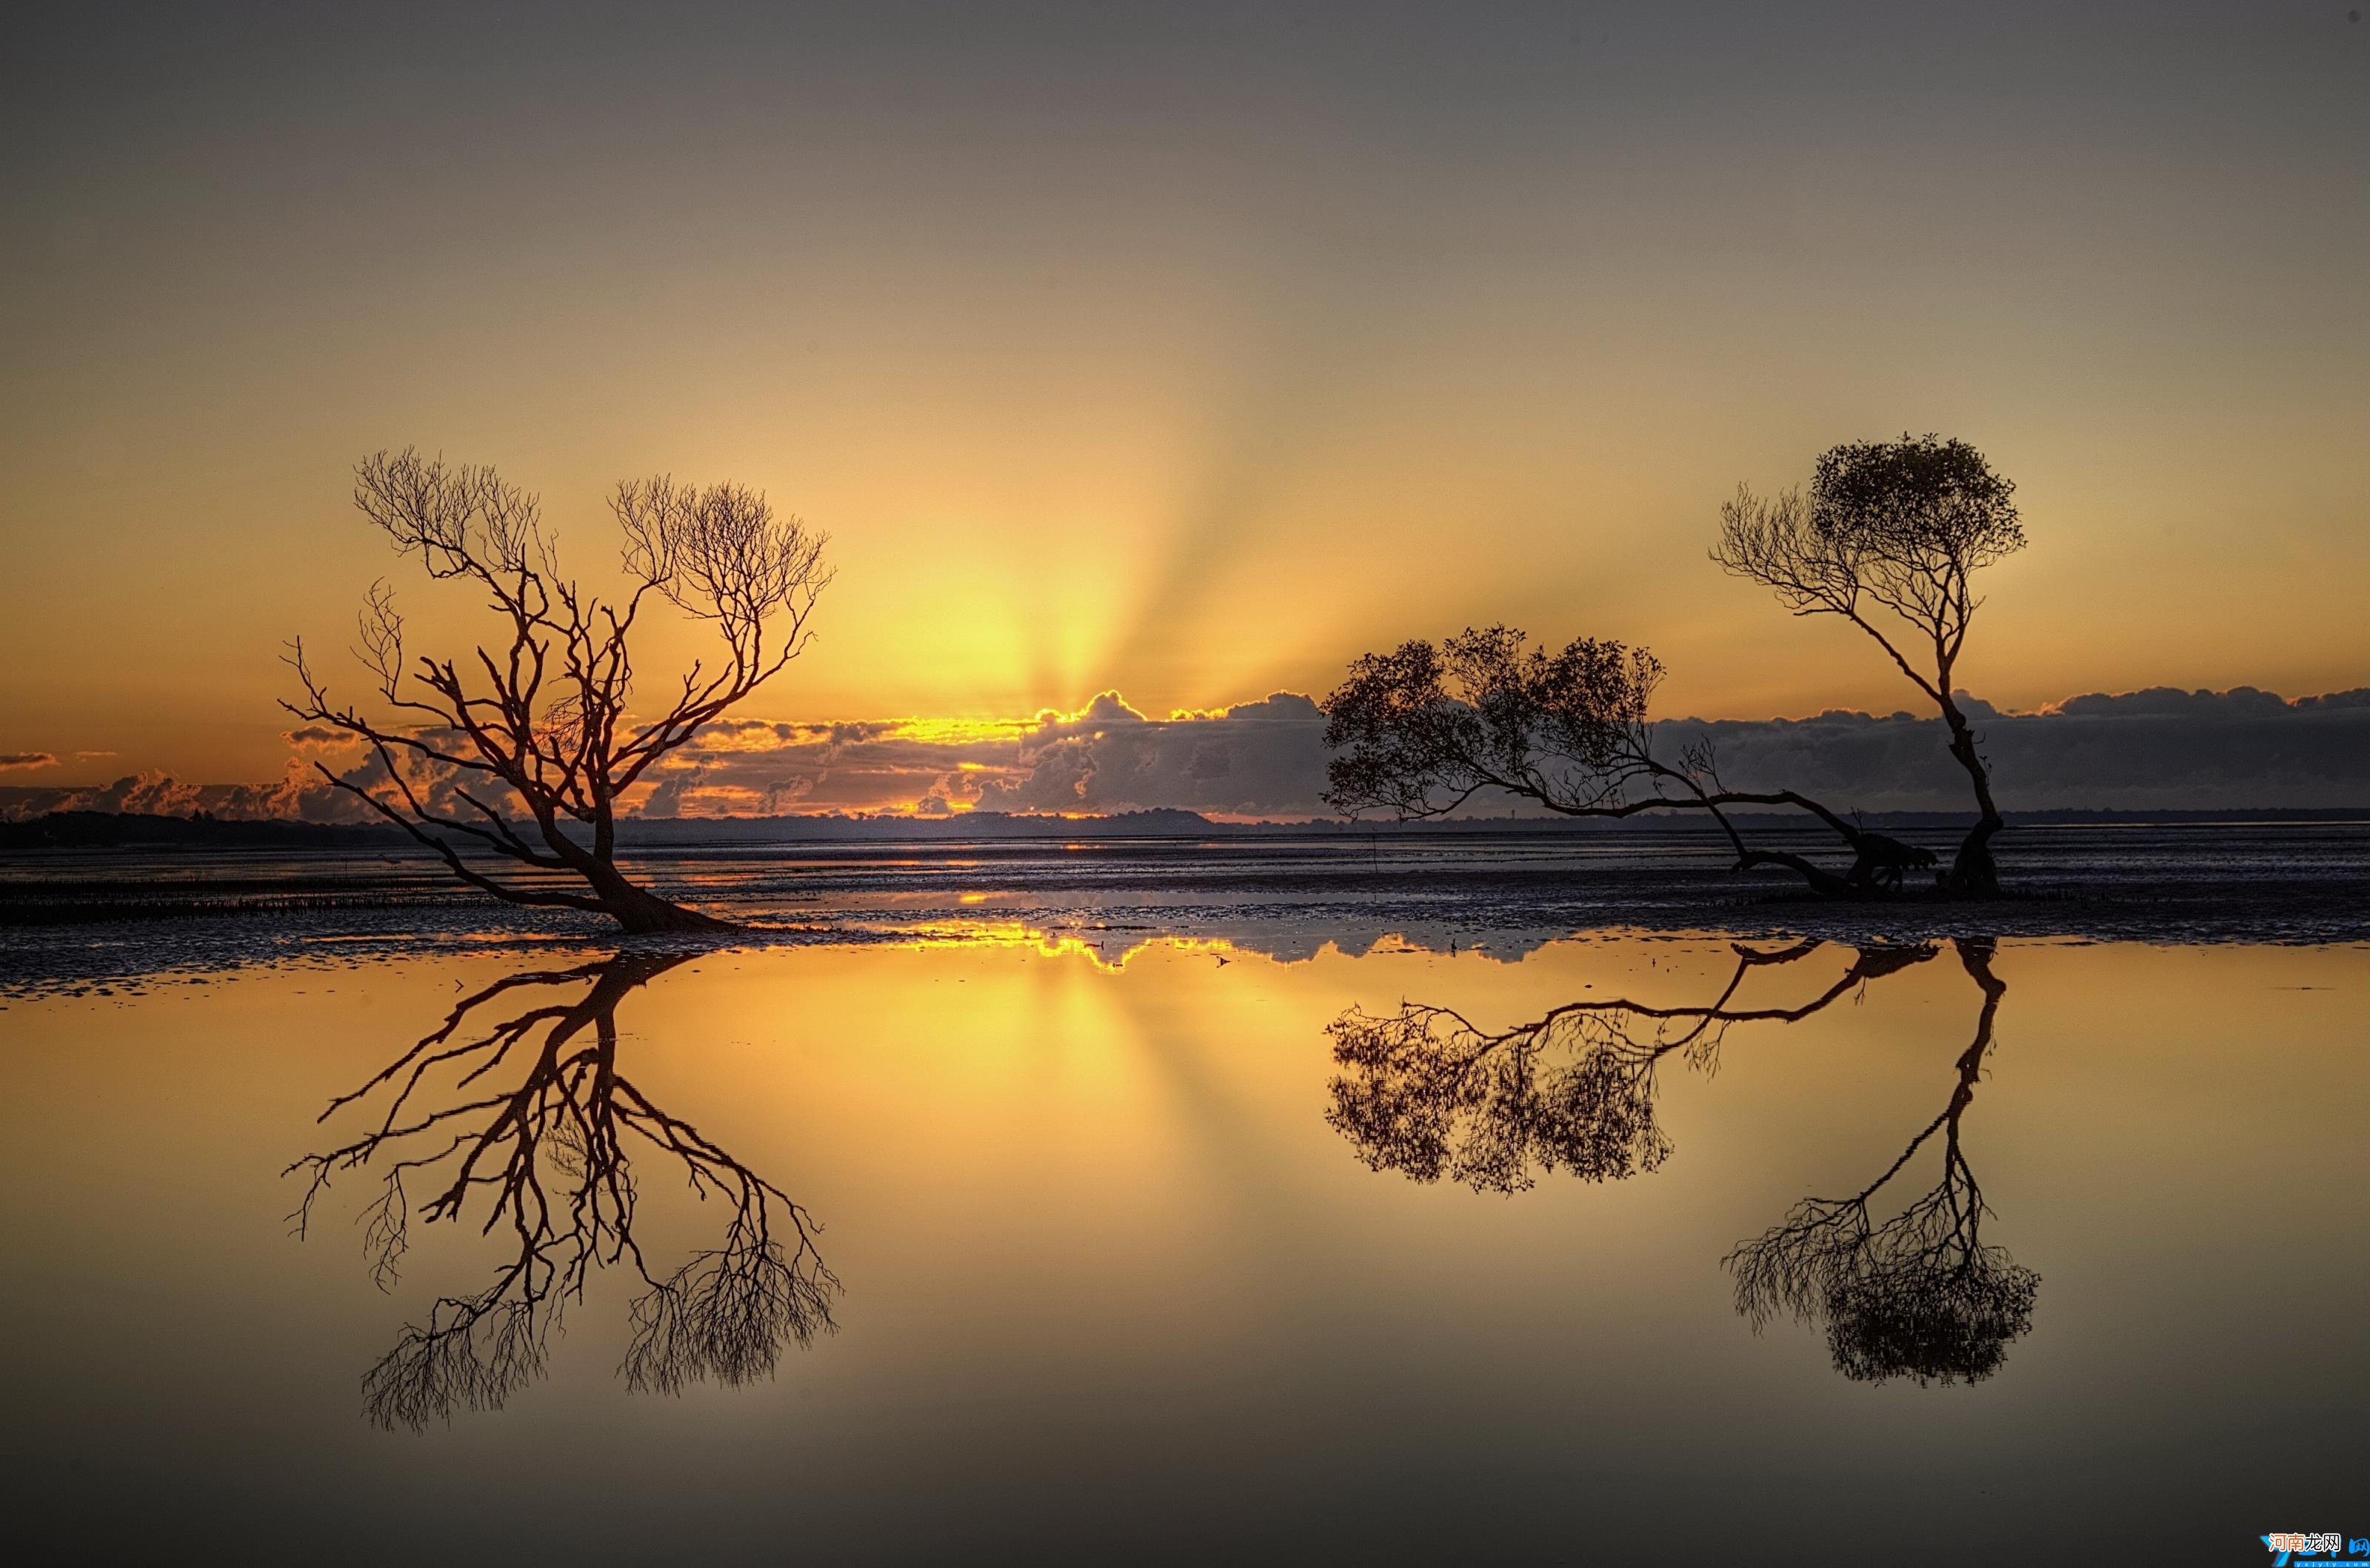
(980,1237)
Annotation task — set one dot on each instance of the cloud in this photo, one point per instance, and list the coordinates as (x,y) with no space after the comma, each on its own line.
(2158,749)
(146,794)
(1263,758)
(9,760)
(299,793)
(667,800)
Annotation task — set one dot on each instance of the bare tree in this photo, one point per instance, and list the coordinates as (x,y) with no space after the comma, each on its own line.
(1891,538)
(1919,1294)
(1421,730)
(1427,1093)
(546,1148)
(521,753)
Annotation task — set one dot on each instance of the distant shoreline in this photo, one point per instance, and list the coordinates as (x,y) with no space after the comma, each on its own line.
(69,831)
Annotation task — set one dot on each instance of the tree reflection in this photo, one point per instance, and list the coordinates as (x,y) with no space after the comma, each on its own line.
(1429,1094)
(516,1104)
(1918,1295)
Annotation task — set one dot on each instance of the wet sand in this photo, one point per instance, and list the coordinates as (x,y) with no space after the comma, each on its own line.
(107,918)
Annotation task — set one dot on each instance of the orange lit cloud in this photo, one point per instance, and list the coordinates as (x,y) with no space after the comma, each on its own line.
(1262,758)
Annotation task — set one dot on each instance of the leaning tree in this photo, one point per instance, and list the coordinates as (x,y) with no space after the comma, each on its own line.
(1421,730)
(510,763)
(1891,538)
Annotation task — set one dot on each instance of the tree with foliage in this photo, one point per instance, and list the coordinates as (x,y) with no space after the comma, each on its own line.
(1419,732)
(1891,538)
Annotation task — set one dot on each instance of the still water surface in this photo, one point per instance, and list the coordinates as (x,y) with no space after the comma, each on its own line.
(1656,1247)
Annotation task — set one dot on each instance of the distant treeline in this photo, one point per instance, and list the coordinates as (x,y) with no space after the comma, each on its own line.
(129,830)
(110,830)
(685,832)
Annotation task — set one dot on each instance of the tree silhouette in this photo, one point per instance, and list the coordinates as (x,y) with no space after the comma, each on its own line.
(540,725)
(1421,730)
(1918,1295)
(1890,539)
(546,1146)
(1915,1295)
(1428,1094)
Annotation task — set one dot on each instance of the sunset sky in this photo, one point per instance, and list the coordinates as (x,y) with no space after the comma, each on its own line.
(1182,352)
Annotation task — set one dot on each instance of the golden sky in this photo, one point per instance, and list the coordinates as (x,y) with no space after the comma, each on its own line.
(1183,352)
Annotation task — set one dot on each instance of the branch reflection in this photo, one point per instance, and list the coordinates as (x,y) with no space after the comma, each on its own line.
(1429,1094)
(1917,1294)
(515,1107)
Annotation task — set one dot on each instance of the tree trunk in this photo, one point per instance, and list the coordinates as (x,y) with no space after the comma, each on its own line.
(638,911)
(1818,879)
(1972,872)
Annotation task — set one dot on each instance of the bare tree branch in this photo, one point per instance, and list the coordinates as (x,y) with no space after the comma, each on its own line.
(542,717)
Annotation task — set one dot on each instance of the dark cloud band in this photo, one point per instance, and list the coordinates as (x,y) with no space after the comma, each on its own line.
(2159,749)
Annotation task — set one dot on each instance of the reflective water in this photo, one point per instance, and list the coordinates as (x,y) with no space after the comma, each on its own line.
(1003,1246)
(74,918)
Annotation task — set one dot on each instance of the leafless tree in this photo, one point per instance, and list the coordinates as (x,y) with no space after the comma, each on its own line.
(1421,730)
(1427,1093)
(1918,1295)
(510,763)
(546,1145)
(1891,538)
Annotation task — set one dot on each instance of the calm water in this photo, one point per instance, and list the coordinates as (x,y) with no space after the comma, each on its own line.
(1638,1247)
(71,919)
